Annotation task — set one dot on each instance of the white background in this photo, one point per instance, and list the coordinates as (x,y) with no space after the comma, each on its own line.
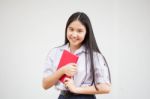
(30,28)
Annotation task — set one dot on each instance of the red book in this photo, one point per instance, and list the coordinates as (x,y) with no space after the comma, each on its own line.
(66,58)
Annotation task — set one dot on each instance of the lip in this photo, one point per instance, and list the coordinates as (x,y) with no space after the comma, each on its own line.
(74,40)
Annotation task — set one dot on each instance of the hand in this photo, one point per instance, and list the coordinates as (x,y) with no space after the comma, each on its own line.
(70,69)
(70,85)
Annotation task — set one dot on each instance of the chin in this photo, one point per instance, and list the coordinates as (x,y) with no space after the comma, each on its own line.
(75,44)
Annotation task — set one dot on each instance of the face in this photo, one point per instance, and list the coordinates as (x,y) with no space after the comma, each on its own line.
(76,32)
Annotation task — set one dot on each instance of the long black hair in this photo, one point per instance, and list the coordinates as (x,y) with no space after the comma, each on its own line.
(89,41)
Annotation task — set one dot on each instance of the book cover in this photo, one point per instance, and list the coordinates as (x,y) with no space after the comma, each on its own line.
(67,57)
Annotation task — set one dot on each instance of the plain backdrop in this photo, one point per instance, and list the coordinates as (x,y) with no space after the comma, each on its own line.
(30,28)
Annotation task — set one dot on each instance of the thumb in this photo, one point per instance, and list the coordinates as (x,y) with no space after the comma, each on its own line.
(66,79)
(74,64)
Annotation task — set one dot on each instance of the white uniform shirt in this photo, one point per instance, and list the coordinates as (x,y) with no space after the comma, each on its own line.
(83,77)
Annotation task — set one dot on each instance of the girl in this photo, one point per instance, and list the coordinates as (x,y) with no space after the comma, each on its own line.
(90,75)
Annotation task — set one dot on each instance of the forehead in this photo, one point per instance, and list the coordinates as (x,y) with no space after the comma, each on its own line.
(76,24)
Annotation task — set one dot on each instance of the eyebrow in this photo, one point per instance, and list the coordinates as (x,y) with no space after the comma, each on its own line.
(70,27)
(78,28)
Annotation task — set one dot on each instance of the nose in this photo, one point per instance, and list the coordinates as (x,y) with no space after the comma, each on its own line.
(74,34)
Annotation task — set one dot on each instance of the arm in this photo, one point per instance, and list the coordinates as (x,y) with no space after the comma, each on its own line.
(70,69)
(51,80)
(103,88)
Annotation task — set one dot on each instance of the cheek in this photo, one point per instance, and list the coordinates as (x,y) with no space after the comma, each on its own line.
(83,36)
(68,35)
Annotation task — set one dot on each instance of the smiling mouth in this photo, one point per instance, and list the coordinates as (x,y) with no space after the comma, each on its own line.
(74,40)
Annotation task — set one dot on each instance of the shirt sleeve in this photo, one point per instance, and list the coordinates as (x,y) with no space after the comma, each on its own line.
(48,67)
(102,74)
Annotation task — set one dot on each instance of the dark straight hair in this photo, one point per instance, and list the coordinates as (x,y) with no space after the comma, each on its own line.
(89,41)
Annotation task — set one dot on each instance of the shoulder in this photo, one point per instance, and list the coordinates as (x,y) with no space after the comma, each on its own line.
(55,50)
(98,57)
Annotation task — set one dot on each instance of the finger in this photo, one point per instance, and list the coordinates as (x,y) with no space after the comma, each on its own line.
(74,71)
(66,86)
(66,79)
(64,82)
(73,64)
(74,68)
(71,77)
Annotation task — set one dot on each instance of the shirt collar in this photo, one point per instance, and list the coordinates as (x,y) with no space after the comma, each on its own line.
(78,51)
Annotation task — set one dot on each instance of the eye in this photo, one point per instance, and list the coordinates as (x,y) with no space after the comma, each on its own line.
(70,29)
(80,31)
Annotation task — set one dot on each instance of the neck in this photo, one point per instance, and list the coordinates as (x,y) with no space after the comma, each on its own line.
(74,48)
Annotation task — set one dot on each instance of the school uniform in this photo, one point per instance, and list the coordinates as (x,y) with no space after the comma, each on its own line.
(83,77)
